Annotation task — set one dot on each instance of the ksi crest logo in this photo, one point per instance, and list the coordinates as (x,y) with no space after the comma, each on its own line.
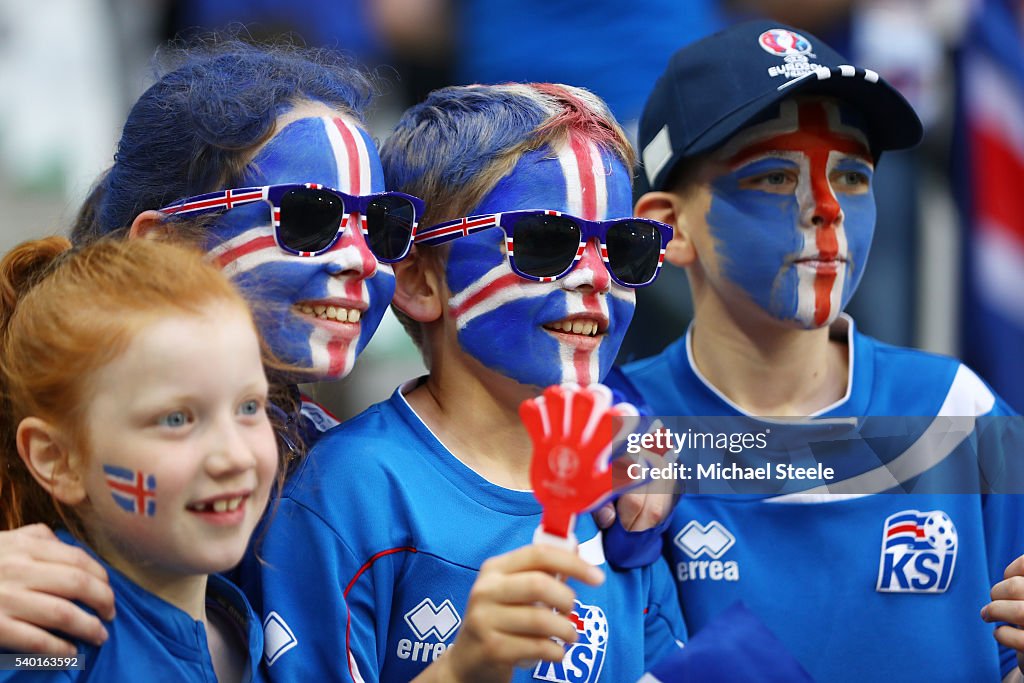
(583,660)
(918,552)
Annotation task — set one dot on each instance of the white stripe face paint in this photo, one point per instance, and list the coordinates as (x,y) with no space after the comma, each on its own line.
(318,312)
(516,326)
(794,214)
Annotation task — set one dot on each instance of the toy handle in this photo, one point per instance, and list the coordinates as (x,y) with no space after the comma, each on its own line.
(541,537)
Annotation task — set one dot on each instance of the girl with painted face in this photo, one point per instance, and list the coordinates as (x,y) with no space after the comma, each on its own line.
(265,148)
(148,446)
(537,288)
(262,152)
(758,146)
(269,146)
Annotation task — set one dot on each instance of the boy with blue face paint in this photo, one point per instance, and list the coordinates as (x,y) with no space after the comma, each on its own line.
(498,315)
(758,146)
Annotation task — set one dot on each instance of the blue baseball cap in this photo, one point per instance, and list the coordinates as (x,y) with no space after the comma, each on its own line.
(719,85)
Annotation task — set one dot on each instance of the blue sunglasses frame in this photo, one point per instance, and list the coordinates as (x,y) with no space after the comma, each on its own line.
(225,200)
(507,221)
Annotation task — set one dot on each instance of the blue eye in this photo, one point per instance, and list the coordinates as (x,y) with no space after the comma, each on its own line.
(178,418)
(249,407)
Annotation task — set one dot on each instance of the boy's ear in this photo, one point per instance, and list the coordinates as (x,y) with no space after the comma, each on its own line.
(53,464)
(150,224)
(418,287)
(667,207)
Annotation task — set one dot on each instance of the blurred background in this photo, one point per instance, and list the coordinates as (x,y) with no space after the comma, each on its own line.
(946,271)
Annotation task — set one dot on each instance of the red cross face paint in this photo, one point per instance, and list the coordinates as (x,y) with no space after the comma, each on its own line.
(318,312)
(543,333)
(794,213)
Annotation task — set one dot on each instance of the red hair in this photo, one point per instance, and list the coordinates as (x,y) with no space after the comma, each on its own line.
(584,116)
(66,313)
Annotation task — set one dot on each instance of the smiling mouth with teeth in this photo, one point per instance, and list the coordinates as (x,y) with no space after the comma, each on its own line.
(336,313)
(589,328)
(222,505)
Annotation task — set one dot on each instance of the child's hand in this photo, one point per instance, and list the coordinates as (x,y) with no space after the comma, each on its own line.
(637,511)
(1008,605)
(509,617)
(39,577)
(647,506)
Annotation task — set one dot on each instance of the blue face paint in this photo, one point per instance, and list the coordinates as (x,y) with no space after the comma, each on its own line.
(794,216)
(316,313)
(544,333)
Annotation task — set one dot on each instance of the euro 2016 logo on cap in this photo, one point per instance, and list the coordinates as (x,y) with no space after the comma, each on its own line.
(918,552)
(783,42)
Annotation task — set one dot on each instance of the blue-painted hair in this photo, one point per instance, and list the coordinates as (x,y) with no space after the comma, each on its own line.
(453,148)
(215,100)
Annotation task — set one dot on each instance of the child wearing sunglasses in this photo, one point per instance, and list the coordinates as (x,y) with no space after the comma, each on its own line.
(148,446)
(759,145)
(403,504)
(312,243)
(303,225)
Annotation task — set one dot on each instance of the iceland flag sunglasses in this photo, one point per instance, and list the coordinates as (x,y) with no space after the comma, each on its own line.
(309,218)
(545,245)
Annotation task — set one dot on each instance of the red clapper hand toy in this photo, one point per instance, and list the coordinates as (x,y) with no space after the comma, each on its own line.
(572,431)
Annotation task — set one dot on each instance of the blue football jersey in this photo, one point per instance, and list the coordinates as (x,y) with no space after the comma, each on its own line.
(152,640)
(878,575)
(366,565)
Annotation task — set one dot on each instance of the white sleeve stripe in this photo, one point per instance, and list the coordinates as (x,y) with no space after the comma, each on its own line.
(967,399)
(354,669)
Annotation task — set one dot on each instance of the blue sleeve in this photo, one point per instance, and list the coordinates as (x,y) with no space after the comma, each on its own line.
(27,676)
(298,578)
(623,389)
(664,629)
(632,549)
(734,646)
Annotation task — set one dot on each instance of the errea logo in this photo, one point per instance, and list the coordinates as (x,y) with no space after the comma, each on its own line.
(697,541)
(432,625)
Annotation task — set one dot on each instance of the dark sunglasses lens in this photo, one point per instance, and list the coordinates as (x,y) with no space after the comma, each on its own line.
(633,251)
(309,219)
(389,222)
(545,246)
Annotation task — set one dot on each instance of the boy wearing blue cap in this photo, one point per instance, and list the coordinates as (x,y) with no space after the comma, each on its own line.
(758,145)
